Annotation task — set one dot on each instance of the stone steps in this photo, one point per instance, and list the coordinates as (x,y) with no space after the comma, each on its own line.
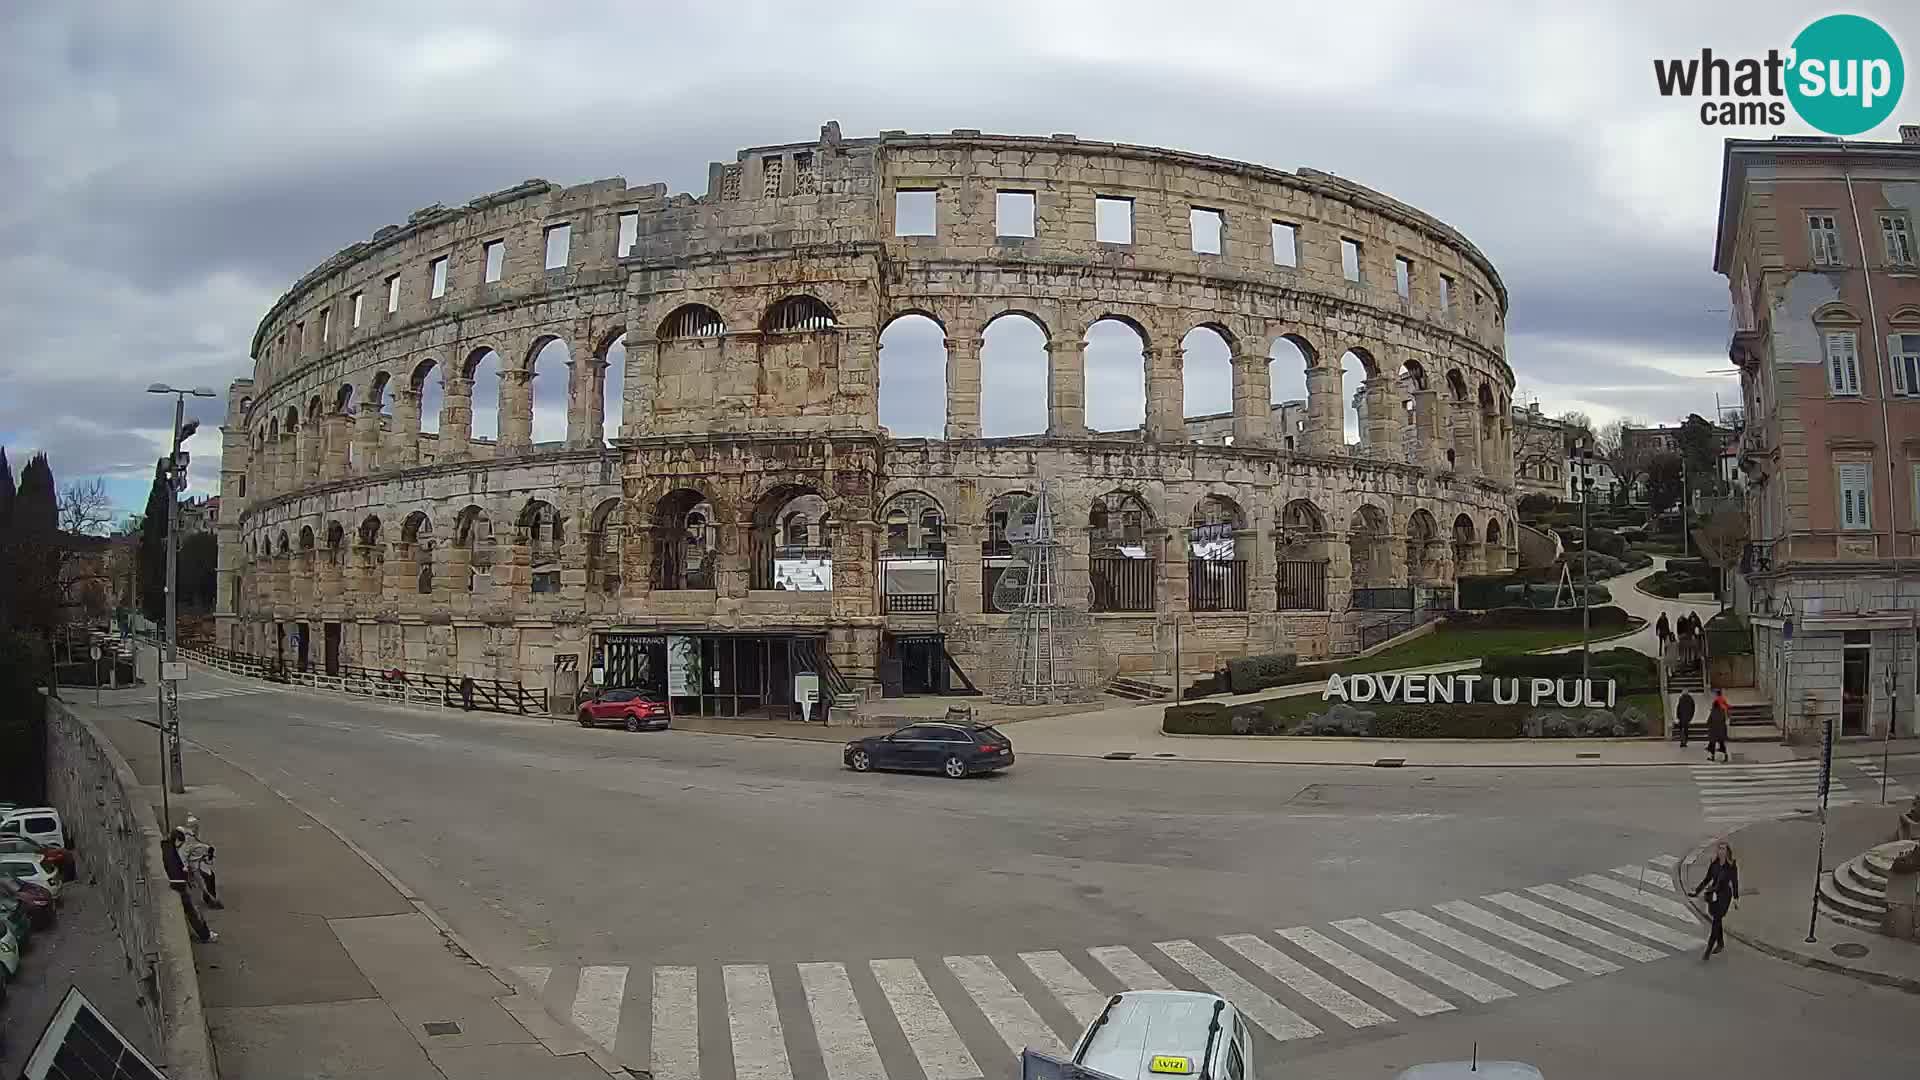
(1133,689)
(1855,892)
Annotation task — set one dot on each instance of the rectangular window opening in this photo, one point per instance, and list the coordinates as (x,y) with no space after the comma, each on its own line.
(1823,239)
(1897,231)
(1286,244)
(629,233)
(359,304)
(300,336)
(1209,228)
(326,324)
(914,212)
(439,268)
(1013,213)
(393,293)
(1856,482)
(559,245)
(1843,363)
(495,252)
(1403,276)
(1350,259)
(1112,220)
(771,169)
(1446,294)
(1904,349)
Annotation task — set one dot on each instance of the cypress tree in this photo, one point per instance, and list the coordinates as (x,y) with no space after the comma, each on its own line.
(152,557)
(7,570)
(36,547)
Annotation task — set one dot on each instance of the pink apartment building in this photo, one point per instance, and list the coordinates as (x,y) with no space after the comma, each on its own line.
(1818,244)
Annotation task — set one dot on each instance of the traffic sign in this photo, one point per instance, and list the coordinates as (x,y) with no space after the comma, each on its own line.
(173,671)
(94,652)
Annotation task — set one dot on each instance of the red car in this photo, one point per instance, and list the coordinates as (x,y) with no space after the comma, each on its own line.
(635,710)
(38,902)
(57,859)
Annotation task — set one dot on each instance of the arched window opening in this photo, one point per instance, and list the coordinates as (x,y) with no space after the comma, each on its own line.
(1207,384)
(429,382)
(1216,569)
(606,542)
(1355,369)
(613,390)
(913,378)
(473,534)
(693,321)
(541,530)
(913,566)
(1123,570)
(483,368)
(1302,550)
(792,542)
(899,532)
(416,534)
(1116,378)
(1466,546)
(337,539)
(1287,363)
(1423,554)
(549,393)
(798,314)
(1013,377)
(1010,522)
(1372,573)
(1496,551)
(683,545)
(369,533)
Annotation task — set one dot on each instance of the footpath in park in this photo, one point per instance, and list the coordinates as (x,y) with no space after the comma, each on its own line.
(326,965)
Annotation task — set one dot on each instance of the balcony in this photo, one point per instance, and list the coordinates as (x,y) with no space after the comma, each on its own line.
(912,583)
(1217,585)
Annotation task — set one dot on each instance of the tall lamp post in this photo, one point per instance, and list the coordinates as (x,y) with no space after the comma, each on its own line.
(1584,453)
(176,483)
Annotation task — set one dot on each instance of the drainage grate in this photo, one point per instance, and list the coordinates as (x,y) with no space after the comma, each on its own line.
(441,1027)
(1119,755)
(1389,762)
(1586,755)
(1850,950)
(1165,754)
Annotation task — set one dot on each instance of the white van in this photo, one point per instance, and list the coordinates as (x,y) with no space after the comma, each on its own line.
(40,823)
(1167,1035)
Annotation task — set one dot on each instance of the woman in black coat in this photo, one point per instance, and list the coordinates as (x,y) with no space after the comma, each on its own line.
(1722,886)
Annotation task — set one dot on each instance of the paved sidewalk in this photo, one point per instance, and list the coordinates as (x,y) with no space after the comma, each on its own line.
(1777,861)
(326,967)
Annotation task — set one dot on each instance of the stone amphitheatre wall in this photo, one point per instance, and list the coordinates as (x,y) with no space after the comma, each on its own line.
(738,336)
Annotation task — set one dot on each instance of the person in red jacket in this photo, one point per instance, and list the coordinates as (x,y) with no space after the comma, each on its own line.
(1717,717)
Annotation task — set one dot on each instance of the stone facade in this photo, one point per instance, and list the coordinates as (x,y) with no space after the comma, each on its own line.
(749,437)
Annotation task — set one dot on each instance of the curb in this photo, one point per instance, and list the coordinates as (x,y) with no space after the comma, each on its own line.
(506,979)
(1761,945)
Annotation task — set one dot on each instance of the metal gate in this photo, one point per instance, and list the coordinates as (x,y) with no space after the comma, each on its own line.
(632,660)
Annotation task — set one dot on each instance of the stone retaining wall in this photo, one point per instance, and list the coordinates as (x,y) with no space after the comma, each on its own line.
(117,841)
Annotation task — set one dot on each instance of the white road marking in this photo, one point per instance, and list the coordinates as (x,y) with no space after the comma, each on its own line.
(1644,897)
(1625,920)
(1527,938)
(935,1044)
(1306,982)
(1066,983)
(1422,961)
(535,978)
(1412,998)
(1566,924)
(1126,965)
(1655,878)
(846,1044)
(1467,945)
(596,1005)
(1009,1013)
(759,1044)
(1281,1022)
(676,1023)
(1665,861)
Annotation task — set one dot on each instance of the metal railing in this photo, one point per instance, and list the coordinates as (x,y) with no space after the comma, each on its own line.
(900,597)
(1120,584)
(1217,585)
(392,684)
(1393,598)
(1302,585)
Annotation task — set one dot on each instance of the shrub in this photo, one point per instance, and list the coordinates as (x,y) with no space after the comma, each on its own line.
(1608,542)
(1250,673)
(1586,724)
(1486,590)
(1478,721)
(1535,503)
(1632,672)
(1519,618)
(1729,635)
(1340,720)
(1599,565)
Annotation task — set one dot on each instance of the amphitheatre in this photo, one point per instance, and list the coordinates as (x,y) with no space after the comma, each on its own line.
(685,396)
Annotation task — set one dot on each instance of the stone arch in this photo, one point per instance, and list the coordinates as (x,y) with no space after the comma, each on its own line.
(1367,553)
(1115,385)
(1206,389)
(610,385)
(343,399)
(1007,514)
(283,550)
(473,538)
(682,532)
(336,541)
(541,528)
(1123,539)
(549,393)
(913,523)
(1014,374)
(1423,551)
(1290,359)
(483,370)
(306,539)
(1496,551)
(316,406)
(416,534)
(691,321)
(369,531)
(913,376)
(606,542)
(377,395)
(1214,527)
(791,539)
(1456,385)
(1121,524)
(798,314)
(1466,544)
(1357,369)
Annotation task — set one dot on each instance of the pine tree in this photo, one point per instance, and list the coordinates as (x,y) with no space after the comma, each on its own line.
(36,548)
(7,571)
(152,557)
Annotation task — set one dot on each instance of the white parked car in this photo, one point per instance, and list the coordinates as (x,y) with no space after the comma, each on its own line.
(1159,1034)
(9,957)
(23,866)
(40,823)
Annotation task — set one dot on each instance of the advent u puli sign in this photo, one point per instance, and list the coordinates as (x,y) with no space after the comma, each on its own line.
(1462,689)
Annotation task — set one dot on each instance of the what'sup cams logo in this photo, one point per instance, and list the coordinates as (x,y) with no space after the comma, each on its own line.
(1842,75)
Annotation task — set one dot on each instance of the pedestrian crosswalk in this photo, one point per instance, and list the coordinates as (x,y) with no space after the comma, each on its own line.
(1735,794)
(967,1017)
(210,694)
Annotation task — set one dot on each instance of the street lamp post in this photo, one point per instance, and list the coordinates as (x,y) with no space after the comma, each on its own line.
(176,483)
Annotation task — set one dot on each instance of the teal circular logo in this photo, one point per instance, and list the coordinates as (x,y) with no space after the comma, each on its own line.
(1847,75)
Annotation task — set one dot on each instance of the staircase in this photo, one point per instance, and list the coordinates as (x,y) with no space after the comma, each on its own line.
(1133,689)
(1855,892)
(1752,722)
(1691,680)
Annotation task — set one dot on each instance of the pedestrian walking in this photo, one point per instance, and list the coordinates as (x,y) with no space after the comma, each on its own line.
(177,878)
(198,855)
(1722,886)
(1683,714)
(1683,639)
(1717,716)
(466,693)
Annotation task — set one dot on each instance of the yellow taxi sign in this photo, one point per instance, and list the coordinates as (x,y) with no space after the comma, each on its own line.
(1167,1063)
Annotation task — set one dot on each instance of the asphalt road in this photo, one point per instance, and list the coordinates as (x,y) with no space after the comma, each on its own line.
(618,870)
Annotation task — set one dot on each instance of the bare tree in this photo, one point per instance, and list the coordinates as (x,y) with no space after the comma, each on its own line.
(85,508)
(1629,458)
(1722,539)
(85,515)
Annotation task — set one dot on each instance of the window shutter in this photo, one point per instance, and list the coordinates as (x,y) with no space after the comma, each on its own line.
(1853,367)
(1899,363)
(1854,481)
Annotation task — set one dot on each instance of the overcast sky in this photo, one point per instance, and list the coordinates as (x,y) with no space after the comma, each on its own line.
(171,168)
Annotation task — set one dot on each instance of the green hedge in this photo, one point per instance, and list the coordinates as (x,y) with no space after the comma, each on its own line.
(1607,618)
(1482,720)
(1250,673)
(1729,635)
(1633,672)
(1196,718)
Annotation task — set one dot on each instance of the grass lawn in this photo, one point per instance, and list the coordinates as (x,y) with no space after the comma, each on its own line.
(1445,646)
